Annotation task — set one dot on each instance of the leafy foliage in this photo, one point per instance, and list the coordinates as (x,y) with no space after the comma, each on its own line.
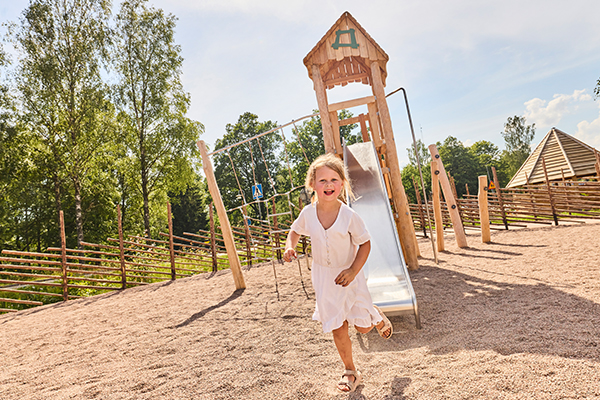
(159,139)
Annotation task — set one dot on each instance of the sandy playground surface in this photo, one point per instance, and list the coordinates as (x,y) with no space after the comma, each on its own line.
(515,319)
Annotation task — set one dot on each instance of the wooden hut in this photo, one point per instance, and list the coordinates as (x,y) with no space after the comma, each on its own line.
(346,54)
(565,157)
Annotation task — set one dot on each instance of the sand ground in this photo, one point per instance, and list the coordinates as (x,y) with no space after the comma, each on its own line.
(515,319)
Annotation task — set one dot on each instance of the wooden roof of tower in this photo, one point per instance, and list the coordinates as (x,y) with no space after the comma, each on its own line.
(560,151)
(346,64)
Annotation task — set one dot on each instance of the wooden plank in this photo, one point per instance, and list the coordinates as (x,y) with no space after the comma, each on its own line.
(348,121)
(351,103)
(459,231)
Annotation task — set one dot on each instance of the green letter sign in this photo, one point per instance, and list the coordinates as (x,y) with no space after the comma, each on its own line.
(352,43)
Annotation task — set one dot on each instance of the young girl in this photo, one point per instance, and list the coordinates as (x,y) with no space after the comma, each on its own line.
(340,247)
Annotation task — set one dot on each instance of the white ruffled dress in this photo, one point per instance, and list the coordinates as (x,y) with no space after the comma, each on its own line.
(334,250)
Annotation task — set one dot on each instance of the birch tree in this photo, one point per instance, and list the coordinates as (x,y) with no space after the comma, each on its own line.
(159,138)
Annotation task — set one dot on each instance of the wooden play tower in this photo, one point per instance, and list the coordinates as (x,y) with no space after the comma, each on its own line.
(346,54)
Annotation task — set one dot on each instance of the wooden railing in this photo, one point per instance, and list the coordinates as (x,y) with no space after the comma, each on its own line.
(29,279)
(572,201)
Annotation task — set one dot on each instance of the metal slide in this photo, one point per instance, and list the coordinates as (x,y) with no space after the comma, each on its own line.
(385,270)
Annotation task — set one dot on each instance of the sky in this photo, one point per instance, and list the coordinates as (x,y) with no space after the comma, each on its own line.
(466,65)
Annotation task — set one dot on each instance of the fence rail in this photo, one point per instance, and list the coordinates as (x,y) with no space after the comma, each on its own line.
(570,201)
(30,279)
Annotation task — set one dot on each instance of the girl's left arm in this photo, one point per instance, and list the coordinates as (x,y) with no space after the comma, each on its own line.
(347,276)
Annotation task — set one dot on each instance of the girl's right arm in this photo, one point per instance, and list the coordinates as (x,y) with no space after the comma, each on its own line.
(290,246)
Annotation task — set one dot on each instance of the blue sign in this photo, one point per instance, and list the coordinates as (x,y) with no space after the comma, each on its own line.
(257,192)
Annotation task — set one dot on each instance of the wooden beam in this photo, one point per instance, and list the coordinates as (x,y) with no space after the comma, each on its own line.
(484,216)
(232,255)
(363,128)
(337,141)
(346,79)
(408,239)
(351,103)
(437,206)
(374,124)
(323,109)
(348,121)
(459,230)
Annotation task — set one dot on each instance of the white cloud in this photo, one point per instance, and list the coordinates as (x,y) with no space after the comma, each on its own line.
(549,113)
(589,132)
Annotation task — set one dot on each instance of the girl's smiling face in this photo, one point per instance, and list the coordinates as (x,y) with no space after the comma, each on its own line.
(328,184)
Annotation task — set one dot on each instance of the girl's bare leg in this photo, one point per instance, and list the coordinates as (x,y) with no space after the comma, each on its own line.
(344,347)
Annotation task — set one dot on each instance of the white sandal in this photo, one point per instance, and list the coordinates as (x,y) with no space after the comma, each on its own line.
(348,383)
(387,325)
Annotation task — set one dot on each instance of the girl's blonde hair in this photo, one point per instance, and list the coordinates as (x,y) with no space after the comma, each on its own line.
(337,165)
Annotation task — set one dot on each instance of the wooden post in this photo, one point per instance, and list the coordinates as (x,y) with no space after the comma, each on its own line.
(500,201)
(421,216)
(484,216)
(467,188)
(363,128)
(335,129)
(323,109)
(554,216)
(63,256)
(437,206)
(171,245)
(408,239)
(232,255)
(213,239)
(121,248)
(375,131)
(457,226)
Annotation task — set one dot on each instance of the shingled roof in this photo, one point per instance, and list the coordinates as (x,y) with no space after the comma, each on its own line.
(345,54)
(563,154)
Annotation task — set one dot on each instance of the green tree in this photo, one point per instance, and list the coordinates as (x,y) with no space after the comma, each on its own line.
(410,173)
(189,208)
(248,164)
(307,143)
(459,163)
(159,138)
(597,89)
(62,47)
(517,137)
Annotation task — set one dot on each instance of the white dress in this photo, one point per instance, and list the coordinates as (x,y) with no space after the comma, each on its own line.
(334,250)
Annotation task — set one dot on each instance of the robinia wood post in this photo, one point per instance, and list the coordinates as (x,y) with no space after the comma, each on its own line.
(500,201)
(437,206)
(232,255)
(484,216)
(171,245)
(213,240)
(319,87)
(121,248)
(457,226)
(408,239)
(63,256)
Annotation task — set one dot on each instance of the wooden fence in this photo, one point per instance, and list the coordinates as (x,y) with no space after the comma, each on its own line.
(572,201)
(29,279)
